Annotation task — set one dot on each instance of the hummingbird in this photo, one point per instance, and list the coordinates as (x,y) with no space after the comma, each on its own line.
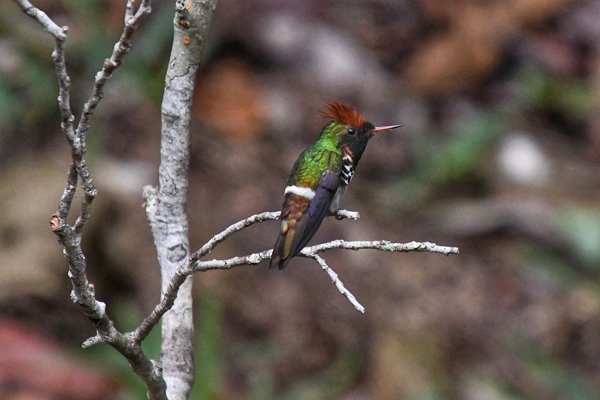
(319,178)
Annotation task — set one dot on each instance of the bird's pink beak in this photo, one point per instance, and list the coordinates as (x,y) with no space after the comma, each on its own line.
(380,129)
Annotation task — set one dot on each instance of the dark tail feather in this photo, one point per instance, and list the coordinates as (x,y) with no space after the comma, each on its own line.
(278,259)
(277,262)
(284,246)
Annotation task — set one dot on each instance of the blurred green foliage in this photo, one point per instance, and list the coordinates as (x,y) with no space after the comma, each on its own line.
(440,162)
(208,354)
(581,227)
(568,96)
(543,369)
(329,383)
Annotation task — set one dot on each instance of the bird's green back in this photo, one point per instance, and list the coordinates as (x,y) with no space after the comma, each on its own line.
(323,155)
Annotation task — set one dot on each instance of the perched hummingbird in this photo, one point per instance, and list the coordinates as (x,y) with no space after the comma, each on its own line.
(320,177)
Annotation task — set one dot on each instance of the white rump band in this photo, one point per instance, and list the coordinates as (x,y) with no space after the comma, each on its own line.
(300,191)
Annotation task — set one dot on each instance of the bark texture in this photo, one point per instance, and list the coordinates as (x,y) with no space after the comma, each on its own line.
(166,206)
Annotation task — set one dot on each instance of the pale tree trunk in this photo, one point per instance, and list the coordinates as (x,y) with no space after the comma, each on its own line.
(166,206)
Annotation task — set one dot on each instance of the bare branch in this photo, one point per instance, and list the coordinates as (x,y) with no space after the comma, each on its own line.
(166,302)
(83,295)
(121,47)
(58,56)
(312,252)
(338,284)
(89,194)
(92,341)
(261,217)
(347,214)
(43,19)
(383,245)
(66,200)
(230,230)
(70,236)
(194,264)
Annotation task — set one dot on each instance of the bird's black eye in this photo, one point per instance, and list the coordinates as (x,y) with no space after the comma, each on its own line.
(351,131)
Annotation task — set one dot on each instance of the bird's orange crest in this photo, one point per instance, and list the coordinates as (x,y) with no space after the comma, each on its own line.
(343,113)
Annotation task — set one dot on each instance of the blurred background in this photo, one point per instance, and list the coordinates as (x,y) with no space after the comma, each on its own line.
(499,155)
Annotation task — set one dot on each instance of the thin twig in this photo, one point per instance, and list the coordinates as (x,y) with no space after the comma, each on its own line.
(256,218)
(311,251)
(382,245)
(66,199)
(58,56)
(230,230)
(43,19)
(166,302)
(338,283)
(121,47)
